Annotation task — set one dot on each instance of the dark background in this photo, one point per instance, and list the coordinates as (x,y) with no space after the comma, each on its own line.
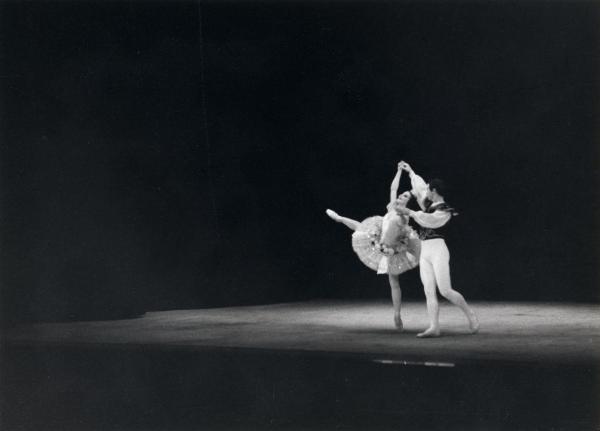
(153,160)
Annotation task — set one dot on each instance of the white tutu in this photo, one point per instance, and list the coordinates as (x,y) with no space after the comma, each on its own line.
(401,256)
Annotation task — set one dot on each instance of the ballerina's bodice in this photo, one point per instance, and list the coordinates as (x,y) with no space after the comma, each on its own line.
(393,229)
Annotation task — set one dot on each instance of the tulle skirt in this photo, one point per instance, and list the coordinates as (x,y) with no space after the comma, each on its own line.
(366,245)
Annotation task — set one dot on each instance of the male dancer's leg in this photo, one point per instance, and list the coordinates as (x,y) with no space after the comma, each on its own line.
(441,269)
(433,309)
(396,300)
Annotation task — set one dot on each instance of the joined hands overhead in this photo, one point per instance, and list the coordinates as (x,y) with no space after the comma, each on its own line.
(404,166)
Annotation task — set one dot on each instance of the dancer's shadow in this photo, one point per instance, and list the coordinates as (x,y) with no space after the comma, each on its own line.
(408,331)
(384,331)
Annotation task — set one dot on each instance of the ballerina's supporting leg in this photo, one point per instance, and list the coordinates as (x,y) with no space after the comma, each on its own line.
(352,224)
(396,300)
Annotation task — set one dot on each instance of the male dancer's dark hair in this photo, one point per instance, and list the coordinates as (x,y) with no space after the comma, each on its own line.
(439,186)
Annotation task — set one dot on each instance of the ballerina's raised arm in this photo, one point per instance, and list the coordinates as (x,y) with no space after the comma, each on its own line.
(395,185)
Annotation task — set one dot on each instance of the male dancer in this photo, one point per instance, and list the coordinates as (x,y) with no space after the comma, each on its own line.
(434,262)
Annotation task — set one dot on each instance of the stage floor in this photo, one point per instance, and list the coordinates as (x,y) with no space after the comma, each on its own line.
(510,332)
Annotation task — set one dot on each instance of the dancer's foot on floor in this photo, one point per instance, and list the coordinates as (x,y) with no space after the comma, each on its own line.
(333,214)
(474,323)
(429,333)
(398,322)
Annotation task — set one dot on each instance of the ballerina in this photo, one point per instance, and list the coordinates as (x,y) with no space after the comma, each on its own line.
(386,244)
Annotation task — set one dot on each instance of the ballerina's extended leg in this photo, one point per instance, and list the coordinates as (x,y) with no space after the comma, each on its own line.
(352,224)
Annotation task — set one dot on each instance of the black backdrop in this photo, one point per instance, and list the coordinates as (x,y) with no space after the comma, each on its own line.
(150,161)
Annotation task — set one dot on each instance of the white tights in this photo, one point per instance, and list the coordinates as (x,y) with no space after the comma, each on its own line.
(434,267)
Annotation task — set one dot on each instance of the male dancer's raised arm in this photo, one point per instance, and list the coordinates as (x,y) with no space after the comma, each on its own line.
(418,185)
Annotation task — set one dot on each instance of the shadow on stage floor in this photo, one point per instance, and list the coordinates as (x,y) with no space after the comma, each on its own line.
(162,386)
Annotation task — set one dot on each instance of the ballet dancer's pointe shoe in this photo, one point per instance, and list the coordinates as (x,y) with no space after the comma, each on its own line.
(429,333)
(398,322)
(474,324)
(332,214)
